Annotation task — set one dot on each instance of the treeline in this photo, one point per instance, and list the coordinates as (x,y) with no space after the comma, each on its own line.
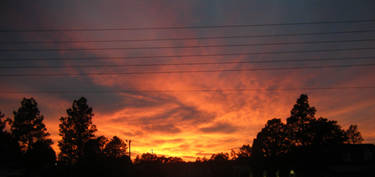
(26,145)
(277,148)
(24,139)
(304,145)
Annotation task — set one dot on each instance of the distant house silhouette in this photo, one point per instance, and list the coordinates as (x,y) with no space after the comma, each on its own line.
(349,160)
(341,160)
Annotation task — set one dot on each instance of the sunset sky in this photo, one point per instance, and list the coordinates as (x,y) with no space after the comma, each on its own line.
(189,114)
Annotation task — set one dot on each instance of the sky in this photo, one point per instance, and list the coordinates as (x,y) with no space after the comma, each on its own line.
(189,114)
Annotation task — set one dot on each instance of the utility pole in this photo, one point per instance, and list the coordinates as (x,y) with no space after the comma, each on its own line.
(129,149)
(129,141)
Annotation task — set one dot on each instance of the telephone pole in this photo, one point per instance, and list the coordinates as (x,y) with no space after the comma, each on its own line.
(129,150)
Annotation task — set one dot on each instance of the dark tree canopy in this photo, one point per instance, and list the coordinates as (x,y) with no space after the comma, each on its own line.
(3,122)
(324,132)
(147,157)
(102,157)
(116,148)
(244,153)
(353,135)
(40,155)
(302,131)
(245,150)
(154,159)
(219,165)
(28,127)
(306,130)
(219,157)
(94,147)
(9,148)
(272,140)
(301,110)
(75,129)
(299,121)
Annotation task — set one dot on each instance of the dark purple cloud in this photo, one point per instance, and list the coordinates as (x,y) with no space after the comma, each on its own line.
(219,128)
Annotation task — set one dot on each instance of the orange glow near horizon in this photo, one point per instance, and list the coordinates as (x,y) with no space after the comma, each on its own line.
(191,125)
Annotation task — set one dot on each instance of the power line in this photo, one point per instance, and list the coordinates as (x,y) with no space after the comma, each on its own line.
(184,27)
(187,71)
(194,55)
(192,46)
(193,63)
(192,91)
(190,38)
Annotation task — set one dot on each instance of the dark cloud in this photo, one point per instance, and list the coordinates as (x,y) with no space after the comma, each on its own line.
(139,99)
(184,113)
(219,128)
(169,120)
(181,114)
(102,98)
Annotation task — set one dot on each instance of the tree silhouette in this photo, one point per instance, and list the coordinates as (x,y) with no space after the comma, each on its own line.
(148,164)
(173,160)
(324,132)
(299,122)
(147,157)
(76,129)
(94,147)
(28,127)
(305,130)
(301,131)
(220,165)
(40,155)
(3,122)
(245,151)
(219,157)
(272,141)
(116,148)
(299,141)
(9,148)
(353,135)
(103,158)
